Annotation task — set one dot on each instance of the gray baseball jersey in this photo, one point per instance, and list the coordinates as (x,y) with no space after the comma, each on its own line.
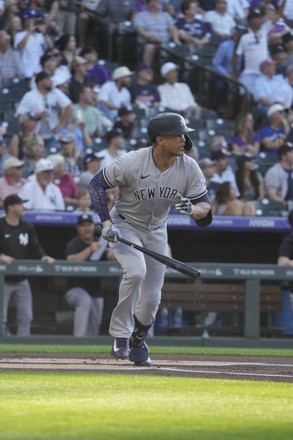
(146,193)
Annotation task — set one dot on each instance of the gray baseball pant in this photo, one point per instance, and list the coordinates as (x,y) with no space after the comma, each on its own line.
(21,295)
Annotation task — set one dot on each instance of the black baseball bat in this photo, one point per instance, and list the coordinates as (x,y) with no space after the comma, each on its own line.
(169,262)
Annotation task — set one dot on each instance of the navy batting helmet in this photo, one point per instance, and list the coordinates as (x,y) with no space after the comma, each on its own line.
(171,124)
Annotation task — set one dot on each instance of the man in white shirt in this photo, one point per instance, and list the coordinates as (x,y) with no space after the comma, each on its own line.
(175,95)
(50,105)
(115,94)
(40,192)
(222,23)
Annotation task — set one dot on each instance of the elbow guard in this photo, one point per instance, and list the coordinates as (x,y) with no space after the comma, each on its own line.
(202,223)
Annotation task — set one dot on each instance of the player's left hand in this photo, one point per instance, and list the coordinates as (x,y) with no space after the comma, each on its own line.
(184,206)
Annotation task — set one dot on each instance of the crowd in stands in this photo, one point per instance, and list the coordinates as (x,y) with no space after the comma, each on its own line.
(79,108)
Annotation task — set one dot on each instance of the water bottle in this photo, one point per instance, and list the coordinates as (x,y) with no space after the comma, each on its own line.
(178,318)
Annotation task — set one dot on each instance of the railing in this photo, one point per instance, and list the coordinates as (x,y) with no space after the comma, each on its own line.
(252,275)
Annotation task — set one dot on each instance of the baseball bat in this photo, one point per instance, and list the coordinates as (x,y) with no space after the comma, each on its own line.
(169,262)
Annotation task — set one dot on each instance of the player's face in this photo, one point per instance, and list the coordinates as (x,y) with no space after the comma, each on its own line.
(174,145)
(86,230)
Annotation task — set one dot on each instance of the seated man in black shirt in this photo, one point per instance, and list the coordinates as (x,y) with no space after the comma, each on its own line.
(85,294)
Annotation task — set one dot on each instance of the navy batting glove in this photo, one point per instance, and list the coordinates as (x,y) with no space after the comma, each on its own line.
(184,206)
(111,233)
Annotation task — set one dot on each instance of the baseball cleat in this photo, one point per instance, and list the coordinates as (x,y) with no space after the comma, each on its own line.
(140,356)
(120,348)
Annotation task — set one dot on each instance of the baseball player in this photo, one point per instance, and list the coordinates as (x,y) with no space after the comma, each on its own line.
(151,180)
(18,241)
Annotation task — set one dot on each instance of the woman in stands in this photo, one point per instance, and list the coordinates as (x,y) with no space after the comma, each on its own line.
(23,138)
(226,202)
(243,140)
(249,180)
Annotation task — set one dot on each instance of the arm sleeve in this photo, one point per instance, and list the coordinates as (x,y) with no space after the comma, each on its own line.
(97,190)
(206,221)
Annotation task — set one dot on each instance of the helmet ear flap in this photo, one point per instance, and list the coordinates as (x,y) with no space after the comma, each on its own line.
(188,142)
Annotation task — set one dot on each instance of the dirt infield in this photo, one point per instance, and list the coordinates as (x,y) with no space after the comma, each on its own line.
(277,369)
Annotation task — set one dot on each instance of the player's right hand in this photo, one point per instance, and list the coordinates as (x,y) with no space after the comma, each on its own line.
(111,233)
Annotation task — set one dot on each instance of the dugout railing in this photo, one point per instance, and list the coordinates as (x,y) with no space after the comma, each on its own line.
(251,275)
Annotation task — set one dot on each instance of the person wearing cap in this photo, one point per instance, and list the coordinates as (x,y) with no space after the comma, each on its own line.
(252,47)
(144,92)
(12,181)
(92,165)
(126,122)
(150,180)
(30,44)
(175,95)
(115,94)
(10,62)
(71,153)
(272,135)
(39,192)
(249,180)
(86,294)
(266,90)
(18,241)
(63,179)
(154,27)
(51,106)
(278,178)
(223,169)
(220,21)
(278,55)
(192,30)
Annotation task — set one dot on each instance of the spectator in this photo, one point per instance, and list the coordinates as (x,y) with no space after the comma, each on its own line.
(30,44)
(12,181)
(249,180)
(271,136)
(221,22)
(287,40)
(266,87)
(39,192)
(95,73)
(278,26)
(175,95)
(227,203)
(3,155)
(278,55)
(27,132)
(83,200)
(66,16)
(242,140)
(85,113)
(223,170)
(18,241)
(69,151)
(63,179)
(86,19)
(85,294)
(49,62)
(126,122)
(10,63)
(192,31)
(9,9)
(208,169)
(67,46)
(115,146)
(144,93)
(252,48)
(78,69)
(278,178)
(154,28)
(34,150)
(13,26)
(92,164)
(51,106)
(115,94)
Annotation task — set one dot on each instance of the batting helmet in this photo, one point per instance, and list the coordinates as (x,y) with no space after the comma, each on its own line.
(171,124)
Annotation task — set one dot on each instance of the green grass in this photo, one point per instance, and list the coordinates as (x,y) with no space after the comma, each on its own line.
(92,349)
(57,406)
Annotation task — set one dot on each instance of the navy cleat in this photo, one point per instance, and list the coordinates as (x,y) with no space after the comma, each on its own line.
(140,355)
(120,348)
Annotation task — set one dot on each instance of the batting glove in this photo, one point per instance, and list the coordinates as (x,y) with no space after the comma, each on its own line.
(184,206)
(111,233)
